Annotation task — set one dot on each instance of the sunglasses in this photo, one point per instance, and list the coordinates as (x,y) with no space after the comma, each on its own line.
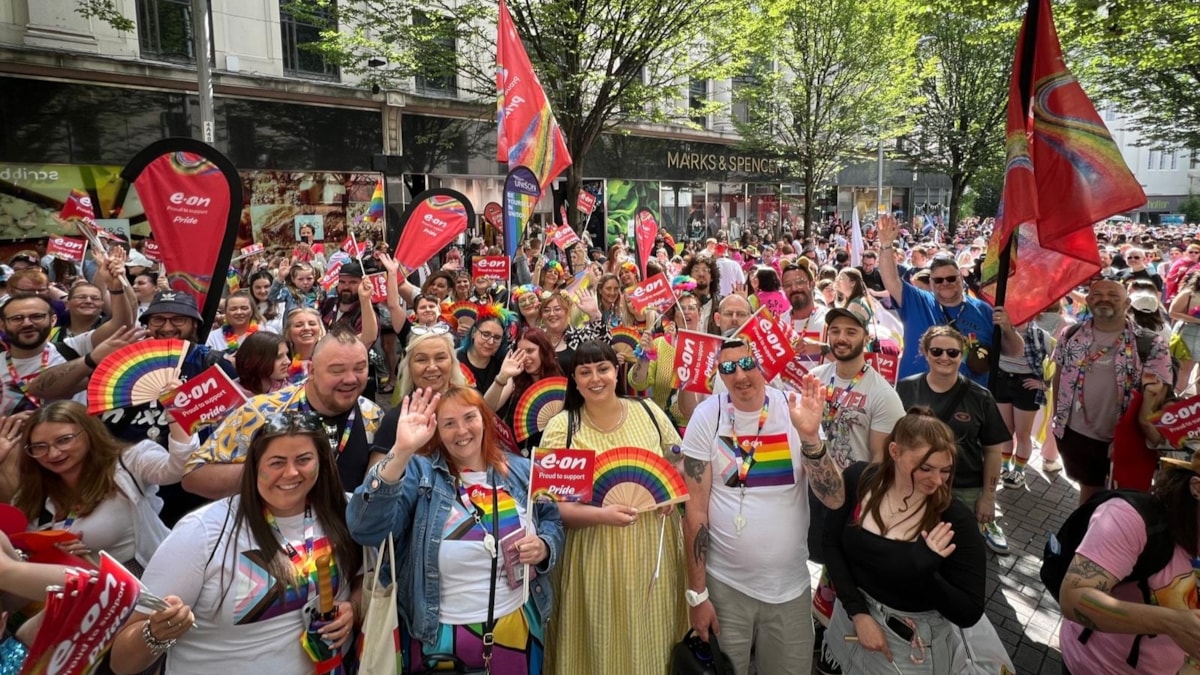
(938,351)
(436,329)
(944,280)
(291,422)
(746,363)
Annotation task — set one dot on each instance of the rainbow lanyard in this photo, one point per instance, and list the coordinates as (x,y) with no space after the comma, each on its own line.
(745,448)
(307,407)
(232,341)
(832,407)
(21,384)
(68,521)
(298,562)
(1085,366)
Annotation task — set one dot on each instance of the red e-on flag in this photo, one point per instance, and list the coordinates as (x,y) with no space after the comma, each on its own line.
(1063,174)
(527,133)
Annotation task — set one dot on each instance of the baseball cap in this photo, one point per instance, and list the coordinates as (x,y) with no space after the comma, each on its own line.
(838,312)
(172,302)
(30,257)
(1144,302)
(351,269)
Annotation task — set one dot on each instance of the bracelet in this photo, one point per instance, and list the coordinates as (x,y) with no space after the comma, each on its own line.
(156,646)
(502,384)
(89,361)
(119,291)
(813,456)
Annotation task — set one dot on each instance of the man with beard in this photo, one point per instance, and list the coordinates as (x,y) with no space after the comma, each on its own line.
(1107,349)
(332,395)
(350,307)
(703,268)
(946,305)
(1138,269)
(29,375)
(808,318)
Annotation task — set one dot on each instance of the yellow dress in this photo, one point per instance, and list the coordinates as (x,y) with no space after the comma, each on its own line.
(660,379)
(607,620)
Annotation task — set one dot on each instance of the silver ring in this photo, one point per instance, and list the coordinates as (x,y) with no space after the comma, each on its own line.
(170,623)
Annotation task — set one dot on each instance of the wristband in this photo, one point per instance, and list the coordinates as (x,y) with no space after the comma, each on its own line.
(119,291)
(89,361)
(814,456)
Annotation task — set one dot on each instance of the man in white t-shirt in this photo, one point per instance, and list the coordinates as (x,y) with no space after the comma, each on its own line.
(731,273)
(807,317)
(749,458)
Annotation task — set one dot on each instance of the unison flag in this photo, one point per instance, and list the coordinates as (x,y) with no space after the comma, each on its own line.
(521,195)
(192,196)
(1063,174)
(527,133)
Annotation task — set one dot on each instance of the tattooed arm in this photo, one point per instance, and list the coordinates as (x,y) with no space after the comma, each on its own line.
(824,476)
(697,475)
(1086,598)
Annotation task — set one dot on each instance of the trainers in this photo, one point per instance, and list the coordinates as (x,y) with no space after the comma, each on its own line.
(1052,466)
(1013,479)
(994,536)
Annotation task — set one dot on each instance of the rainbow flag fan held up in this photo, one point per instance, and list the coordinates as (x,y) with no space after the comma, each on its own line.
(637,478)
(135,374)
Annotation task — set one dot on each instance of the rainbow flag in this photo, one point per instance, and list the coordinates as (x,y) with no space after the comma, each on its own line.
(375,212)
(772,462)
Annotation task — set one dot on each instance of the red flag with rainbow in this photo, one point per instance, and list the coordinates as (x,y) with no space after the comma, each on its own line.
(527,133)
(1063,174)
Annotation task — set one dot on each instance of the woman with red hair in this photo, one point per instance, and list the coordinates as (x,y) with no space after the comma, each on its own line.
(457,507)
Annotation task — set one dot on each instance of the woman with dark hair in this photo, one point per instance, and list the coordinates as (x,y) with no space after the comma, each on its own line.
(770,293)
(241,320)
(852,293)
(272,312)
(454,500)
(608,567)
(533,360)
(75,476)
(903,551)
(485,344)
(262,363)
(241,574)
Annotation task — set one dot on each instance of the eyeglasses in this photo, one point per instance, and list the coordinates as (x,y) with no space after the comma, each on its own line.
(60,443)
(22,318)
(160,321)
(291,422)
(937,352)
(944,280)
(436,329)
(728,314)
(746,363)
(490,337)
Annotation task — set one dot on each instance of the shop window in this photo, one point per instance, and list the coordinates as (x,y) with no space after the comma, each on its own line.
(739,109)
(436,76)
(165,30)
(298,34)
(697,99)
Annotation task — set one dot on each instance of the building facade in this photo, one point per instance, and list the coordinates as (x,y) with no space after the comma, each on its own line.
(1168,175)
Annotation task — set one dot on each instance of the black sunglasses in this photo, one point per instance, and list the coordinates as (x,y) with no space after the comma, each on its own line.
(938,351)
(746,363)
(945,280)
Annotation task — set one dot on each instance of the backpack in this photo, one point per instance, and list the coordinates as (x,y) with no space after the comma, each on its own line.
(1061,547)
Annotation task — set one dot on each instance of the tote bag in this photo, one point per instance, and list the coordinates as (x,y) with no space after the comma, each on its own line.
(380,643)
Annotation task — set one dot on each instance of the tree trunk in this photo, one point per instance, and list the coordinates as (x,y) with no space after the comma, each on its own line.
(809,200)
(957,187)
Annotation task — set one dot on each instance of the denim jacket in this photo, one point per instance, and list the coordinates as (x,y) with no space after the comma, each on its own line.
(414,511)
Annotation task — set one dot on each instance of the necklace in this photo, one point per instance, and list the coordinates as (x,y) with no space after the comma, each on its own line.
(588,418)
(233,341)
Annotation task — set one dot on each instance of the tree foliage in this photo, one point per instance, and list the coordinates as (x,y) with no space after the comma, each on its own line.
(106,11)
(1144,56)
(965,59)
(830,78)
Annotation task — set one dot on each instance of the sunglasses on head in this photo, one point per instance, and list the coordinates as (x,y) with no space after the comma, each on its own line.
(938,351)
(435,329)
(291,422)
(746,363)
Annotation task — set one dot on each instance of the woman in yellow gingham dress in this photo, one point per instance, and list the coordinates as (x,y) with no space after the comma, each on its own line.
(611,616)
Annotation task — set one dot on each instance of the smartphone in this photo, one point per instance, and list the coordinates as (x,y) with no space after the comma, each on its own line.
(900,628)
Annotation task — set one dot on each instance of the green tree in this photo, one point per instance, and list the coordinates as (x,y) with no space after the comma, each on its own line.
(965,59)
(1144,56)
(830,78)
(602,65)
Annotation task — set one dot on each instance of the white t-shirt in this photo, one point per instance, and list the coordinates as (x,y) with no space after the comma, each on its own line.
(731,273)
(811,329)
(29,368)
(108,528)
(766,561)
(464,564)
(257,627)
(872,405)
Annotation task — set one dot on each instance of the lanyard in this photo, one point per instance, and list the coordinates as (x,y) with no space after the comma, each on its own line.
(22,384)
(745,448)
(298,562)
(341,446)
(1085,366)
(833,407)
(478,513)
(68,521)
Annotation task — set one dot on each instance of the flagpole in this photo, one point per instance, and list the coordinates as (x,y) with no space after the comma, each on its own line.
(1025,89)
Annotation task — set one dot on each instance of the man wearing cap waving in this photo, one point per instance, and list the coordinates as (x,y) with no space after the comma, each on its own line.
(1107,349)
(352,306)
(947,305)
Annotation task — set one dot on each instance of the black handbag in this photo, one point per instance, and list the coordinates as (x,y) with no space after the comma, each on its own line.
(693,656)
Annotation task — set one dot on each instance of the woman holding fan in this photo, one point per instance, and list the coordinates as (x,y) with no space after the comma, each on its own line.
(616,565)
(457,507)
(246,576)
(532,361)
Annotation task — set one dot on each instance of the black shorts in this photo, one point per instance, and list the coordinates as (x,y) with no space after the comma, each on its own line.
(1085,459)
(1009,388)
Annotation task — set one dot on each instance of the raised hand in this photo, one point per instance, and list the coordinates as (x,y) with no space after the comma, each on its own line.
(807,408)
(388,262)
(587,303)
(123,337)
(888,230)
(365,290)
(417,422)
(10,433)
(513,365)
(940,539)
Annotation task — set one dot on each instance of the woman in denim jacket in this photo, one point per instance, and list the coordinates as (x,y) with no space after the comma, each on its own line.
(435,495)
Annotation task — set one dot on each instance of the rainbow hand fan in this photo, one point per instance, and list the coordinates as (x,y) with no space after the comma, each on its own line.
(541,401)
(463,310)
(624,339)
(637,478)
(468,374)
(135,374)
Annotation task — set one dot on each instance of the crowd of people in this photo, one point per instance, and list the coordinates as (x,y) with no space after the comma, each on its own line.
(371,421)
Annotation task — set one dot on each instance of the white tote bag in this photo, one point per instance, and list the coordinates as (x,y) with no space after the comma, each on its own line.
(380,643)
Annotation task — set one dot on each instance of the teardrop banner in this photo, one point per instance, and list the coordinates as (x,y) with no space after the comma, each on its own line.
(521,195)
(433,219)
(493,213)
(645,230)
(192,196)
